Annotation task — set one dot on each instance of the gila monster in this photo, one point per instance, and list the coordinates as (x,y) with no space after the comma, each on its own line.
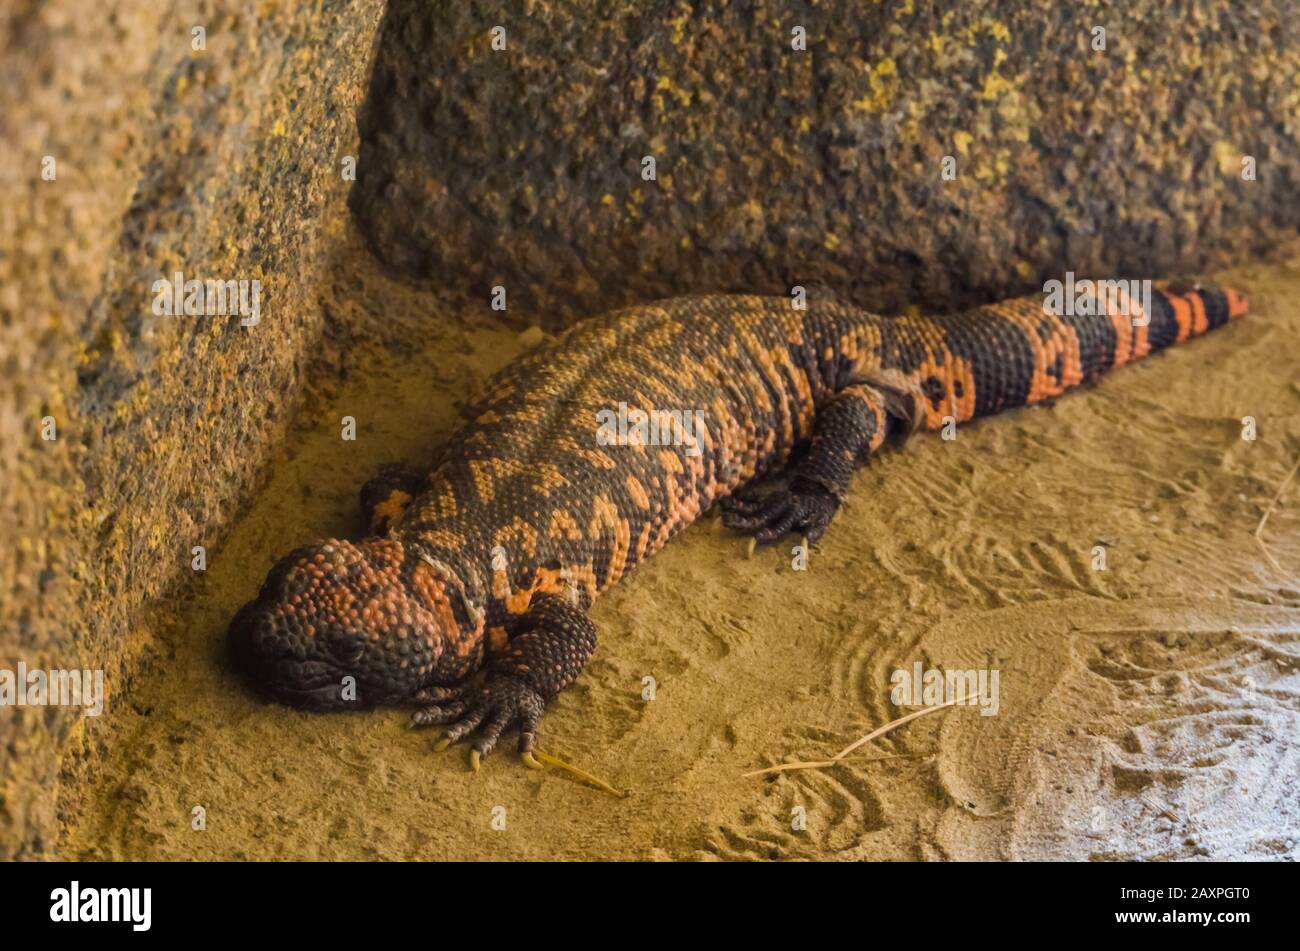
(489,562)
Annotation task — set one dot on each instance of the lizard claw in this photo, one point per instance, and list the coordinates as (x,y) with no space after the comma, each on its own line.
(804,506)
(502,701)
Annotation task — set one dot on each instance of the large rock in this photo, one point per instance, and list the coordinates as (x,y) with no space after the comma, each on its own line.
(219,163)
(522,167)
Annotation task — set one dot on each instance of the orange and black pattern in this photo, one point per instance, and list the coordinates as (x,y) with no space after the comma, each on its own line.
(537,505)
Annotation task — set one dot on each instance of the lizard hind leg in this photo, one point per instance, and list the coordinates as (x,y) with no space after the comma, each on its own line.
(852,424)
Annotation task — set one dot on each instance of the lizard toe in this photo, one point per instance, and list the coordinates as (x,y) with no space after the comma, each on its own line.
(492,729)
(817,507)
(468,722)
(750,521)
(434,715)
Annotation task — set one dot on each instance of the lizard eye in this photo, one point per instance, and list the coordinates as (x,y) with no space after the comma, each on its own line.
(347,649)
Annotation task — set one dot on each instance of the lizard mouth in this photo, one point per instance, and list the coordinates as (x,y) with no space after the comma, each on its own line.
(327,696)
(311,685)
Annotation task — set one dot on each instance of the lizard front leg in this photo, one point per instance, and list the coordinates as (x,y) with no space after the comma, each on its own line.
(551,644)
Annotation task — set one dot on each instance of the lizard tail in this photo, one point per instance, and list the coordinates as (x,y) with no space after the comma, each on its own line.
(1019,352)
(1179,312)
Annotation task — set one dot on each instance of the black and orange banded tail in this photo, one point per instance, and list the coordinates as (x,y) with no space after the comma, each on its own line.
(1180,312)
(1238,303)
(1022,351)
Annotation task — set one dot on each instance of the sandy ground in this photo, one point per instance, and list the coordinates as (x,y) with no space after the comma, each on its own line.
(1149,710)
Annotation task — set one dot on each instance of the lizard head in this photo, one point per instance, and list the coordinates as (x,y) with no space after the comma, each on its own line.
(339,625)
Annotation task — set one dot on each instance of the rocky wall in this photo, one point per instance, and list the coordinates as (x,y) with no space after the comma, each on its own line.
(142,140)
(918,152)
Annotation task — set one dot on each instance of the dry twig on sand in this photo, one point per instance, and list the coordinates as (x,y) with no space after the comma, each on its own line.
(839,757)
(1277,496)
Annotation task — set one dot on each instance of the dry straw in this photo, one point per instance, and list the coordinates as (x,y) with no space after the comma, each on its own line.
(839,757)
(1277,497)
